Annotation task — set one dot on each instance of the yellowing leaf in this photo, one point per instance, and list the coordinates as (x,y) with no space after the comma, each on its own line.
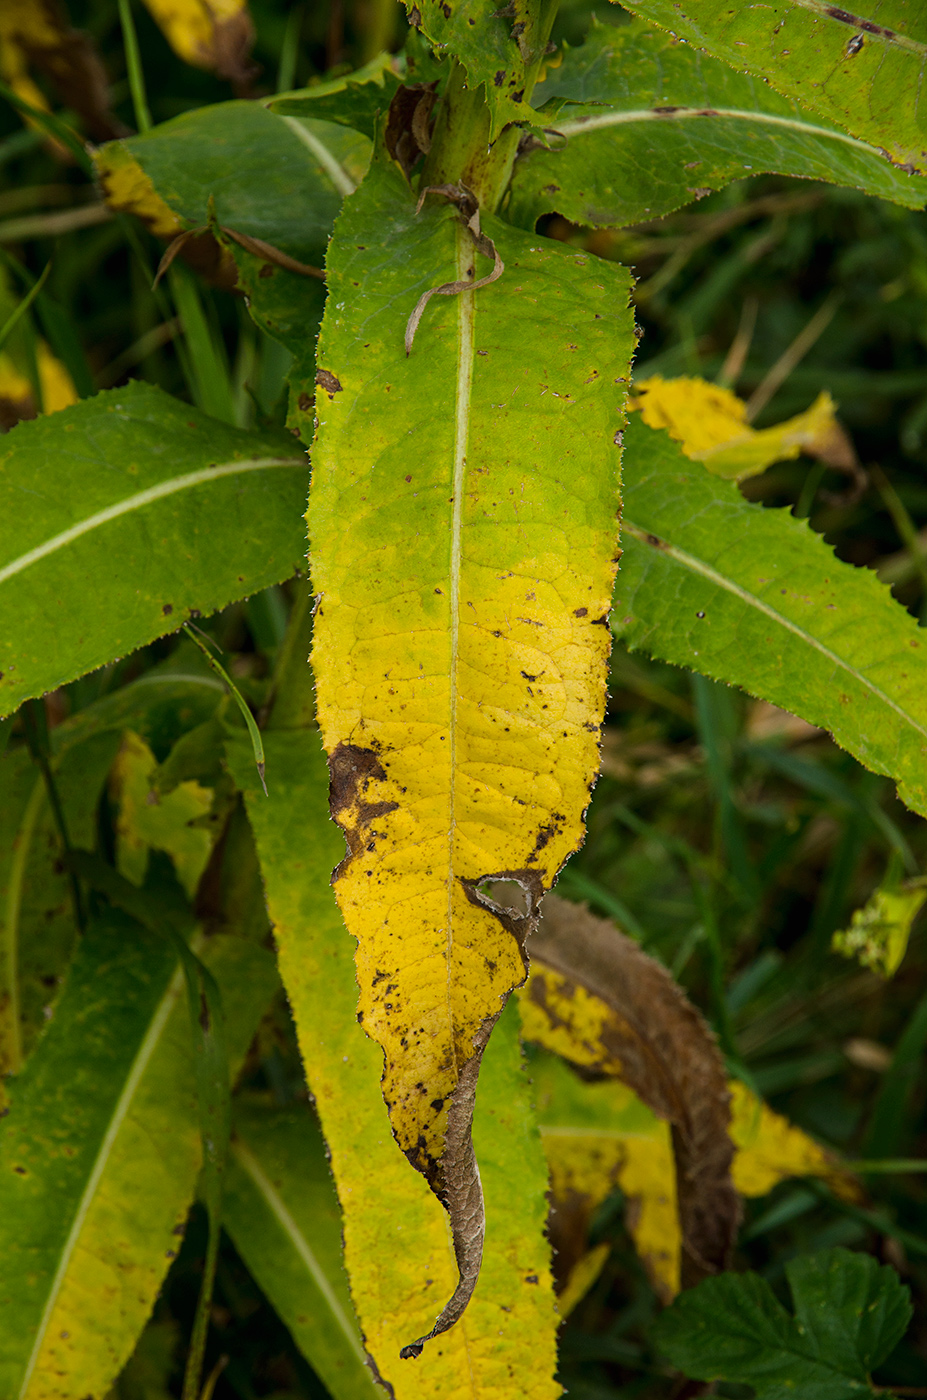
(16,397)
(398,1250)
(711,424)
(148,818)
(129,190)
(770,1148)
(212,34)
(878,933)
(459,647)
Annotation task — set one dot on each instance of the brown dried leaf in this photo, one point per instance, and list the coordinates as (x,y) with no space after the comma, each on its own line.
(36,36)
(596,999)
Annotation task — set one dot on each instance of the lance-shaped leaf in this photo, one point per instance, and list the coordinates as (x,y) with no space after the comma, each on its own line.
(397,1251)
(597,999)
(860,68)
(112,1075)
(753,597)
(849,1315)
(178,513)
(281,1210)
(650,125)
(459,646)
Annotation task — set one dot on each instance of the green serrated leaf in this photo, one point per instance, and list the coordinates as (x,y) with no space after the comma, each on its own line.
(500,46)
(635,90)
(849,1315)
(861,70)
(753,597)
(178,513)
(282,1213)
(354,100)
(88,1212)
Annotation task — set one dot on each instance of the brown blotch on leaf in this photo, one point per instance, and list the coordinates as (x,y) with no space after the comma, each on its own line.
(328,381)
(352,769)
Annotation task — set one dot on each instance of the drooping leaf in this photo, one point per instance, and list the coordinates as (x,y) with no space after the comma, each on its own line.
(147,819)
(753,597)
(458,647)
(862,71)
(179,513)
(595,998)
(281,1211)
(849,1315)
(650,124)
(879,931)
(278,179)
(212,34)
(500,47)
(397,1251)
(112,1075)
(710,423)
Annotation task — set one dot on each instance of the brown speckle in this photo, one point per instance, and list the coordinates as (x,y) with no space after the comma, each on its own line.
(328,381)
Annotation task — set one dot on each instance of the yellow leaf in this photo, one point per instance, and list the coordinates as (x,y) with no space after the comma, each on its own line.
(148,818)
(878,933)
(129,190)
(711,424)
(459,647)
(770,1149)
(57,385)
(212,34)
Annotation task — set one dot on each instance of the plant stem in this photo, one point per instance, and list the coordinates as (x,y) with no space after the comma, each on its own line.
(134,67)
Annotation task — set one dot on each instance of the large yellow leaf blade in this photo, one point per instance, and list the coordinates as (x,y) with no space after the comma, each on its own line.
(397,1248)
(463,528)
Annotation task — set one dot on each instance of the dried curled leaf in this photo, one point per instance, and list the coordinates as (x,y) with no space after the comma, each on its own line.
(879,931)
(711,424)
(596,999)
(212,34)
(599,1136)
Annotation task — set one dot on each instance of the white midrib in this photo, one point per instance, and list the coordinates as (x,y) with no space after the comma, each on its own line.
(697,566)
(138,502)
(120,1112)
(650,114)
(332,167)
(297,1239)
(466,315)
(901,41)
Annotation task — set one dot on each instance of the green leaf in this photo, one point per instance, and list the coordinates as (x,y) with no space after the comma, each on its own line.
(864,73)
(459,650)
(178,513)
(274,178)
(397,1250)
(89,1214)
(753,597)
(650,125)
(282,1213)
(354,100)
(849,1315)
(499,46)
